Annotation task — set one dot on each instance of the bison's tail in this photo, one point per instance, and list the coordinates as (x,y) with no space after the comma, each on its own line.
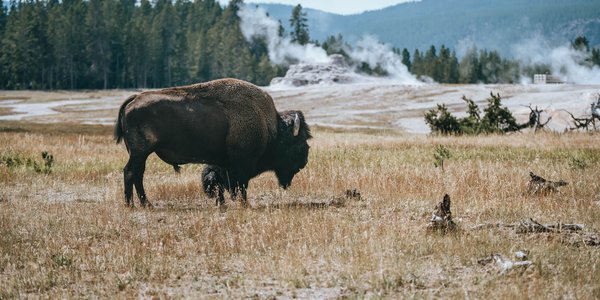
(118,133)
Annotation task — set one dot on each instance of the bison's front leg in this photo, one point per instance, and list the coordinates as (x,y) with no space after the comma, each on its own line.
(241,188)
(221,197)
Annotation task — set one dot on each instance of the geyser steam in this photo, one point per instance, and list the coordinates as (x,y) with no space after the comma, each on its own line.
(564,61)
(256,23)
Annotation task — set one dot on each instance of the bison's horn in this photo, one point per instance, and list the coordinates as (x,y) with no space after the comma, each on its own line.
(296,125)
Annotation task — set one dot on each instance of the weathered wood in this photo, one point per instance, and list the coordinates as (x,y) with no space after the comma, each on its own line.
(532,226)
(573,233)
(503,264)
(353,194)
(539,186)
(441,218)
(535,119)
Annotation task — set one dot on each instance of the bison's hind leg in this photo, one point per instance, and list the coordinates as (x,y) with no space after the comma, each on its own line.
(134,175)
(238,187)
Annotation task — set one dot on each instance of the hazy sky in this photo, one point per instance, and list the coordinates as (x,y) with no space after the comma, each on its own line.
(335,6)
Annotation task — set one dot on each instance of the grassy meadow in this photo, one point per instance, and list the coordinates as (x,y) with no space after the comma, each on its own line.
(66,233)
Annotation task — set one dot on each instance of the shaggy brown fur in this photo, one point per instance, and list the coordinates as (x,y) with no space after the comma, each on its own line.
(229,123)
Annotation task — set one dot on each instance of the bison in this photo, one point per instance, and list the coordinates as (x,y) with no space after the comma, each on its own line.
(228,123)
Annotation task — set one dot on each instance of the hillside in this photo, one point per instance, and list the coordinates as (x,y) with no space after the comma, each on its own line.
(488,24)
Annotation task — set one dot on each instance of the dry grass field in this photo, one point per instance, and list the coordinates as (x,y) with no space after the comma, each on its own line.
(66,233)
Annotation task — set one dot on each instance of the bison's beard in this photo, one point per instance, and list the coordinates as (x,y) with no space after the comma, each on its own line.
(285,180)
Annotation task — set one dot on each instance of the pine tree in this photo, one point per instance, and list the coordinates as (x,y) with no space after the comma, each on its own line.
(406,59)
(469,68)
(581,43)
(596,56)
(98,54)
(417,63)
(299,34)
(23,47)
(431,64)
(335,45)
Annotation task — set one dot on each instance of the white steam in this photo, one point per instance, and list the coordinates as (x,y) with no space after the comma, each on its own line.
(256,23)
(374,53)
(564,61)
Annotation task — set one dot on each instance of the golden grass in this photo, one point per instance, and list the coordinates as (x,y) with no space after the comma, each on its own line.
(68,233)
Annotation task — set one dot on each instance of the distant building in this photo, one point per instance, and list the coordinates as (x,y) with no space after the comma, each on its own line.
(546,78)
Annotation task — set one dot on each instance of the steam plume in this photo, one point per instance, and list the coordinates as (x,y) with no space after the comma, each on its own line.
(371,51)
(564,61)
(256,23)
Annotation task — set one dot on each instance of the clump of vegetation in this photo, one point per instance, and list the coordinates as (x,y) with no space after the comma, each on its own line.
(61,260)
(496,119)
(441,153)
(579,161)
(17,160)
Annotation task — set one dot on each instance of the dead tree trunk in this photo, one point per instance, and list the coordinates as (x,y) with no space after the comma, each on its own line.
(441,218)
(535,119)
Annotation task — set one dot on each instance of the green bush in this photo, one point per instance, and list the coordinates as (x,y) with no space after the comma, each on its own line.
(496,119)
(18,160)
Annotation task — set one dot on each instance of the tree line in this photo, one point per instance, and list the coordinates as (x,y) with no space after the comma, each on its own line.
(93,44)
(99,44)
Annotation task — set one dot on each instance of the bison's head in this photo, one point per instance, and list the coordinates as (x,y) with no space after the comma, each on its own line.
(291,152)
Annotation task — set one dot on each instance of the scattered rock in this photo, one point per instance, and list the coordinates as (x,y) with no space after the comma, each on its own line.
(522,254)
(504,265)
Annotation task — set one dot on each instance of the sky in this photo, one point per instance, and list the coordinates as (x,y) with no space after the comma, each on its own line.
(343,7)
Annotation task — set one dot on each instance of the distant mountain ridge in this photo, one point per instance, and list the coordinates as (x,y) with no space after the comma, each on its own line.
(490,24)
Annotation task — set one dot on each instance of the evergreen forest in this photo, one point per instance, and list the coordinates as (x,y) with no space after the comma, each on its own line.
(102,44)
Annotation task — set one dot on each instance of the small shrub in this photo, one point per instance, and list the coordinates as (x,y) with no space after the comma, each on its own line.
(122,283)
(61,260)
(440,120)
(46,168)
(17,160)
(441,153)
(577,163)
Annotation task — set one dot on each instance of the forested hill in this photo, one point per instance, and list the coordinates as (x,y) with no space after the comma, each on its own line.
(490,24)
